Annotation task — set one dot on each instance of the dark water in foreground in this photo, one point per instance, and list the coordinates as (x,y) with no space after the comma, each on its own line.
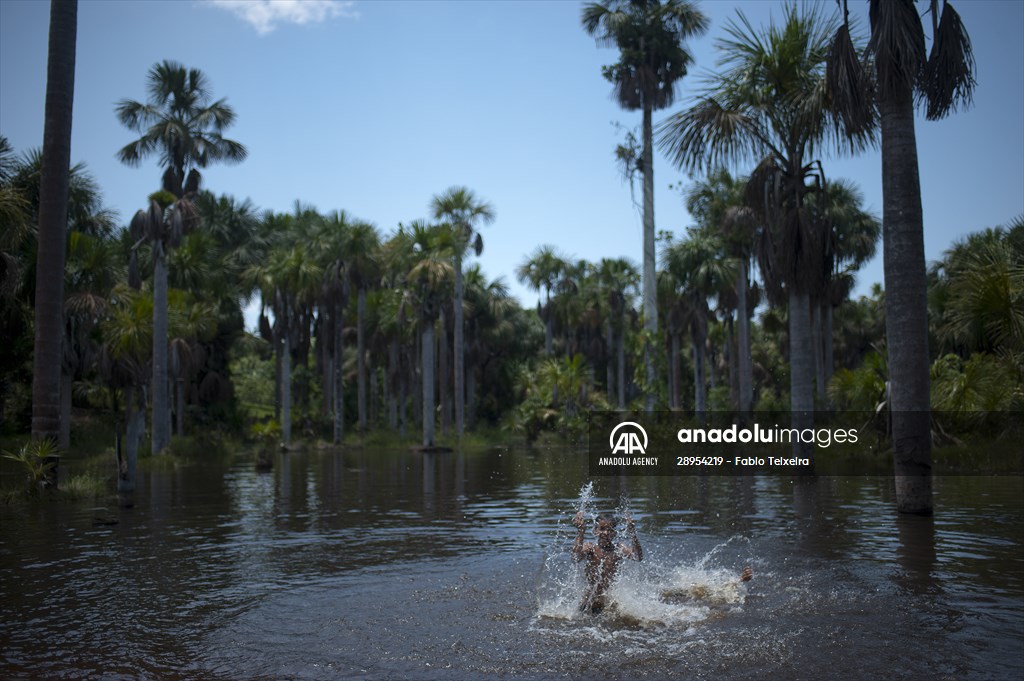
(392,565)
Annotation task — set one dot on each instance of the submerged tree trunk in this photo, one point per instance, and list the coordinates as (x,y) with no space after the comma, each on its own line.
(428,383)
(442,375)
(404,372)
(699,394)
(161,434)
(336,379)
(732,364)
(819,352)
(286,390)
(744,363)
(649,281)
(417,391)
(179,411)
(675,373)
(64,442)
(610,366)
(374,393)
(471,399)
(52,222)
(801,372)
(277,379)
(460,354)
(361,358)
(392,384)
(621,366)
(906,305)
(830,361)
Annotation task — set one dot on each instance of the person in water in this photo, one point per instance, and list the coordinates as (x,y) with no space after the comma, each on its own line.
(603,557)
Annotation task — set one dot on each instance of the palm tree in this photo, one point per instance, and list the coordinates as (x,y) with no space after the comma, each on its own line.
(191,323)
(460,207)
(855,234)
(53,210)
(182,125)
(717,203)
(431,271)
(289,279)
(700,271)
(619,278)
(980,282)
(898,68)
(542,269)
(651,37)
(364,271)
(128,337)
(87,269)
(769,104)
(337,229)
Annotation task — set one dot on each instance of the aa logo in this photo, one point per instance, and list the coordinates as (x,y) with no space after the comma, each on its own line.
(628,438)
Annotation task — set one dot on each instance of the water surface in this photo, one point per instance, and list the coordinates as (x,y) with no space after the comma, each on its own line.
(370,564)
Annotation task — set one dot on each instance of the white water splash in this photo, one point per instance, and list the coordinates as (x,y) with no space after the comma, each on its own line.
(647,594)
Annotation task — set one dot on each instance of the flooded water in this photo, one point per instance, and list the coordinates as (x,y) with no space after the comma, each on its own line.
(384,565)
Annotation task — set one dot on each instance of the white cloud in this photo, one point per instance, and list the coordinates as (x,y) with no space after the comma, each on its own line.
(266,15)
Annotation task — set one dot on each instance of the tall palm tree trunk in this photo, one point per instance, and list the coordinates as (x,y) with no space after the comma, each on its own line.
(829,342)
(906,321)
(699,394)
(675,374)
(361,357)
(649,283)
(161,407)
(53,220)
(286,386)
(428,383)
(374,392)
(336,374)
(391,384)
(179,411)
(66,383)
(471,399)
(548,325)
(731,362)
(801,368)
(746,379)
(277,378)
(460,354)
(405,378)
(417,387)
(442,371)
(610,367)
(817,337)
(620,365)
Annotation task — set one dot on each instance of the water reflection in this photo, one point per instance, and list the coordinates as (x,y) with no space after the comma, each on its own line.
(389,564)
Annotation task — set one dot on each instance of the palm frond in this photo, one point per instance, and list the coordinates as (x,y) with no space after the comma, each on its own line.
(948,81)
(850,88)
(896,45)
(709,134)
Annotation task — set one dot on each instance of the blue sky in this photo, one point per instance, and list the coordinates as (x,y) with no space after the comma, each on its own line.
(374,107)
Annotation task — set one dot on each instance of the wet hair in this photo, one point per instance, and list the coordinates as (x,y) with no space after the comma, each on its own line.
(605,518)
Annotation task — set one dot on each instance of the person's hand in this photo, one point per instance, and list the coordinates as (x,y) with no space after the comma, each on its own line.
(578,520)
(630,523)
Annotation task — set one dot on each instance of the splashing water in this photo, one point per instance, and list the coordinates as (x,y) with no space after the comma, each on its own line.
(654,593)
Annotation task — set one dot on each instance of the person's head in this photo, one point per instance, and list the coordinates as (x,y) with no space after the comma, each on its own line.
(604,528)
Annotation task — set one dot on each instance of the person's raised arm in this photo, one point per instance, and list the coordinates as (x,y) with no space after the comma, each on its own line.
(635,551)
(577,546)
